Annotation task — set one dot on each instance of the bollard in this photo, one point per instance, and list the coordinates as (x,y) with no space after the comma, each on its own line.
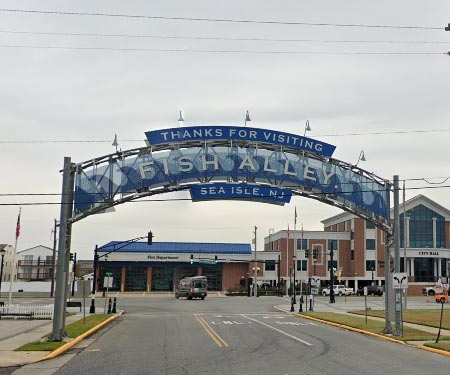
(292,305)
(109,306)
(310,303)
(114,309)
(301,304)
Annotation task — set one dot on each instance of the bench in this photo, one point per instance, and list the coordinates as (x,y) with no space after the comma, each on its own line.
(21,315)
(74,304)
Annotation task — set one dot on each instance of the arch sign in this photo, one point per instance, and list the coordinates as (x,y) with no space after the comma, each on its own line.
(213,162)
(229,162)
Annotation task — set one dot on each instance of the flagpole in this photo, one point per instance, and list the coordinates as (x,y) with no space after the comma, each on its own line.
(287,263)
(13,275)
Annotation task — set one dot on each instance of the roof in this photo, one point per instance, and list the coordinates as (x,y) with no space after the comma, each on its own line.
(409,204)
(177,247)
(40,247)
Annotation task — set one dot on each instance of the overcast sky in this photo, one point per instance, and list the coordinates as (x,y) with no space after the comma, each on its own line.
(384,90)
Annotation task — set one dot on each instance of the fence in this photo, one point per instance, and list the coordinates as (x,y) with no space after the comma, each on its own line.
(36,311)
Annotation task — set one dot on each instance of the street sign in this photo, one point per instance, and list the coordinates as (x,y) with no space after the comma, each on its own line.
(400,280)
(108,281)
(314,291)
(315,281)
(207,261)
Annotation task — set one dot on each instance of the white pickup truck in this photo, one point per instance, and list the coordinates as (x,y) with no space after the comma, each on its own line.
(433,290)
(339,290)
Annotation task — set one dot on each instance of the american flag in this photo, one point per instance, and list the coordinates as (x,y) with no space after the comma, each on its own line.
(288,230)
(295,215)
(18,225)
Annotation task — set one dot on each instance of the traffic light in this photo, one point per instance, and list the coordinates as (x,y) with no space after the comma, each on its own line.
(306,253)
(215,259)
(315,253)
(150,238)
(71,257)
(192,258)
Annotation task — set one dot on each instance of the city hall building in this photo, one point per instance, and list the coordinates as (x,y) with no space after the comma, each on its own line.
(359,248)
(358,255)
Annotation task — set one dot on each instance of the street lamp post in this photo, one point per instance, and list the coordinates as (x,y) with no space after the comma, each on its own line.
(94,282)
(332,299)
(104,273)
(2,252)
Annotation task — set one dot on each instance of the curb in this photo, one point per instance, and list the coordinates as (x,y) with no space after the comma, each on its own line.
(433,350)
(352,329)
(76,340)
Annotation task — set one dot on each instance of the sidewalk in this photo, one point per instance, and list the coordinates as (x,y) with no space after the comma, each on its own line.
(15,333)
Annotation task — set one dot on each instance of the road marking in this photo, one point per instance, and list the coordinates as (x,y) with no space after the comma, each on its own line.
(213,334)
(279,331)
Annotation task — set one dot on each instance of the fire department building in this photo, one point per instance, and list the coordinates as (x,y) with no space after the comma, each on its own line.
(358,255)
(158,267)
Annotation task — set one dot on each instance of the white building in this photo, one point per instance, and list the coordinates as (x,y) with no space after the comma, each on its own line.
(35,264)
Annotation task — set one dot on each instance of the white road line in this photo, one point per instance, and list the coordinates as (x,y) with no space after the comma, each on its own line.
(279,331)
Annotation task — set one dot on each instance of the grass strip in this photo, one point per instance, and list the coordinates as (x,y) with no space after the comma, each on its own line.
(428,318)
(73,330)
(442,345)
(375,326)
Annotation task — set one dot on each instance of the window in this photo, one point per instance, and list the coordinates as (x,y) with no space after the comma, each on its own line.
(302,244)
(352,235)
(302,265)
(370,225)
(444,267)
(269,265)
(421,228)
(332,244)
(352,254)
(28,259)
(370,244)
(370,265)
(334,264)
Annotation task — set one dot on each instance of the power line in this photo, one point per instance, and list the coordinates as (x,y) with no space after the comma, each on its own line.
(146,36)
(142,140)
(222,20)
(385,133)
(212,199)
(236,51)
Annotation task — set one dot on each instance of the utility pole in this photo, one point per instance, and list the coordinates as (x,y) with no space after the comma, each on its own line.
(387,265)
(398,301)
(255,284)
(52,287)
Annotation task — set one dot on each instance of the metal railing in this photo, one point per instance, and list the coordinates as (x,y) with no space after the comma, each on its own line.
(36,263)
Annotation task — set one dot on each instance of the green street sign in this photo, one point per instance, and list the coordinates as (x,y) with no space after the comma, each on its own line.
(207,261)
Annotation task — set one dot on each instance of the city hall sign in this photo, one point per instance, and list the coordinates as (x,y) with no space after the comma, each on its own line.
(229,162)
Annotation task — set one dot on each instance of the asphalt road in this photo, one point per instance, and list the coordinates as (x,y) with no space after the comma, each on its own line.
(239,335)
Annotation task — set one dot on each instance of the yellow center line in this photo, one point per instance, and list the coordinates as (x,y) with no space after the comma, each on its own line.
(213,334)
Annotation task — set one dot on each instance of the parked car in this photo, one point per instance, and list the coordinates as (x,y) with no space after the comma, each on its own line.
(372,290)
(339,290)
